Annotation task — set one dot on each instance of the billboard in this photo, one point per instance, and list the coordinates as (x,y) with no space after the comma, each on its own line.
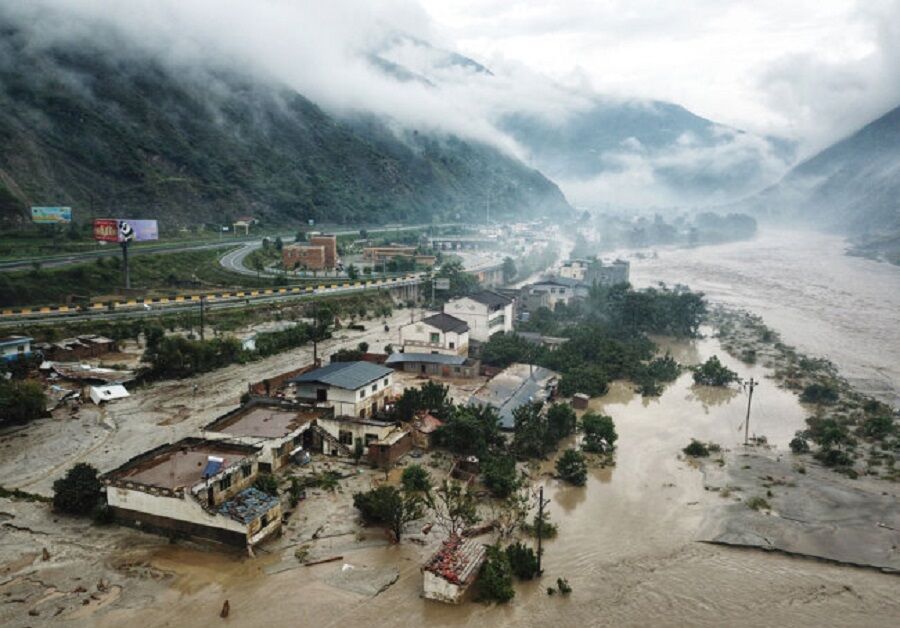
(125,230)
(51,215)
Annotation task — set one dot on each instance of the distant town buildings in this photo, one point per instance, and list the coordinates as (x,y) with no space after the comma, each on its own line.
(320,253)
(607,274)
(486,312)
(329,244)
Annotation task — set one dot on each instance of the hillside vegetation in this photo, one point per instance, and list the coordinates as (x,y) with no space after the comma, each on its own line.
(123,135)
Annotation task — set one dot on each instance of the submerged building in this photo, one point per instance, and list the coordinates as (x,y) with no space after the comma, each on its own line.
(514,387)
(196,488)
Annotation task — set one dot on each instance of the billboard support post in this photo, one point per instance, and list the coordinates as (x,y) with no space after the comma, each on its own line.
(125,264)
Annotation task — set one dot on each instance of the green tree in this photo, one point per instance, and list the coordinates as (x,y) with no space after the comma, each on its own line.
(599,432)
(572,468)
(824,394)
(21,401)
(530,431)
(385,505)
(561,421)
(495,582)
(415,479)
(470,430)
(352,272)
(267,483)
(455,507)
(714,373)
(79,492)
(498,472)
(522,561)
(279,244)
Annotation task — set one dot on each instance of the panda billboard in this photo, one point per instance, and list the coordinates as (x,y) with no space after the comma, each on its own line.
(125,230)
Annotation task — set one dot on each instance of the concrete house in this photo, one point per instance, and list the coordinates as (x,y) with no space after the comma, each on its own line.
(277,427)
(515,386)
(356,389)
(195,487)
(438,333)
(15,347)
(547,293)
(436,364)
(382,441)
(607,274)
(486,312)
(574,269)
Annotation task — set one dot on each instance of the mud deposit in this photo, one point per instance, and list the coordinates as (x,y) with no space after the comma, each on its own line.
(627,541)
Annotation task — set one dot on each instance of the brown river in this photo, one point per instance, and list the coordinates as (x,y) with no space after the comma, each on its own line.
(626,540)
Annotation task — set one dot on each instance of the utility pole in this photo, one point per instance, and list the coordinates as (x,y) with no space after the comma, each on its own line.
(540,528)
(751,386)
(316,333)
(125,264)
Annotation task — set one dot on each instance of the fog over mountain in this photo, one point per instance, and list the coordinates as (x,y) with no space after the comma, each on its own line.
(389,74)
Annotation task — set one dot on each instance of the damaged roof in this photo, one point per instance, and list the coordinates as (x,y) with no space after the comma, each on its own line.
(248,505)
(513,387)
(458,560)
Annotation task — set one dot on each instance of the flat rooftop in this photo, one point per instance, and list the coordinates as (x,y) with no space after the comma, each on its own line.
(263,421)
(178,465)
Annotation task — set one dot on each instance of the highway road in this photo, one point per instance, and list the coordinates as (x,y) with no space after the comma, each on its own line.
(111,250)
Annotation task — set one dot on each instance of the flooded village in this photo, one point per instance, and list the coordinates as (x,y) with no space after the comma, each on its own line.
(332,483)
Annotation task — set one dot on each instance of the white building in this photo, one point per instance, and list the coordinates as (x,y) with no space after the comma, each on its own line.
(548,293)
(485,312)
(439,333)
(574,269)
(195,487)
(15,347)
(356,389)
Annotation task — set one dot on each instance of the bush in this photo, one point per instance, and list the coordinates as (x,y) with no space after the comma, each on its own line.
(561,421)
(416,479)
(572,468)
(696,449)
(833,458)
(267,483)
(825,394)
(758,503)
(522,561)
(799,445)
(714,373)
(877,427)
(78,493)
(102,515)
(599,432)
(21,401)
(495,581)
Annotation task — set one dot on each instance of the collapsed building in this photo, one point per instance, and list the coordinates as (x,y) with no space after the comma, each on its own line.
(195,487)
(451,570)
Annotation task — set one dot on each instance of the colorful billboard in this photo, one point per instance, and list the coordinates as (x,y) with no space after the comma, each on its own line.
(125,230)
(51,215)
(106,229)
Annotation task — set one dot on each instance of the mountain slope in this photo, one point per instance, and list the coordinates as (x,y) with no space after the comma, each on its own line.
(125,135)
(686,158)
(853,185)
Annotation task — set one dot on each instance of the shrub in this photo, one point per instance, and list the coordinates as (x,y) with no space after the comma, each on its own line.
(522,561)
(877,427)
(78,493)
(267,483)
(21,401)
(563,585)
(495,581)
(757,503)
(799,445)
(825,394)
(572,468)
(833,458)
(696,449)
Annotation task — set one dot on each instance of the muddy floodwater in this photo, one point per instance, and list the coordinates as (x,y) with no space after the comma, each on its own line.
(822,301)
(626,545)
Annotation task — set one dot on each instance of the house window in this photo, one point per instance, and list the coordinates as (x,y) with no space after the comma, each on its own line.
(345,437)
(362,413)
(452,345)
(225,483)
(371,438)
(435,337)
(362,393)
(375,388)
(246,470)
(264,520)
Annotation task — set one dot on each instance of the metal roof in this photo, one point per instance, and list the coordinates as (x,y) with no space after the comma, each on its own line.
(15,340)
(427,358)
(445,322)
(346,375)
(248,505)
(513,387)
(490,298)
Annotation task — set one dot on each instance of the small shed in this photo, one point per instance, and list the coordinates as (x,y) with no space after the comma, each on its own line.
(100,394)
(453,569)
(580,401)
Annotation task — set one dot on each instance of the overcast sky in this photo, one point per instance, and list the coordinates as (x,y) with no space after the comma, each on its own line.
(813,70)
